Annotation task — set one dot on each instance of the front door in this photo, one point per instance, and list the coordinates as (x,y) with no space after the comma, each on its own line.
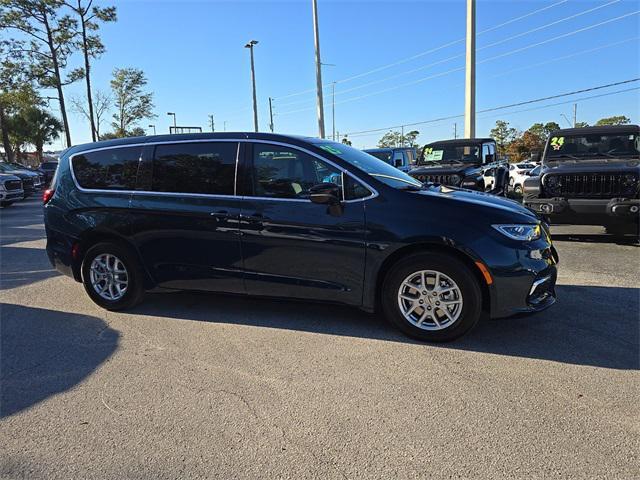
(292,247)
(186,214)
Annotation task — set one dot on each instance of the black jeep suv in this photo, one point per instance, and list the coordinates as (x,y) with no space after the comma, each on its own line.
(467,163)
(590,176)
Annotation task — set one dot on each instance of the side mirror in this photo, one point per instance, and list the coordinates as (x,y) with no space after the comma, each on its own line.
(325,194)
(488,158)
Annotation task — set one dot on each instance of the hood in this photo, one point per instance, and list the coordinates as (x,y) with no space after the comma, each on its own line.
(597,165)
(8,176)
(503,209)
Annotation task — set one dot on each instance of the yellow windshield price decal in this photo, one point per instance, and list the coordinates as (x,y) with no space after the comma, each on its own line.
(557,142)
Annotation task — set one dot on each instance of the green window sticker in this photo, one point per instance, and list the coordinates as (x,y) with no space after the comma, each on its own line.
(331,149)
(431,154)
(557,142)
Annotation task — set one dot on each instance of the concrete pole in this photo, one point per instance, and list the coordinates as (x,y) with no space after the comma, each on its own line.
(253,81)
(320,100)
(333,111)
(470,73)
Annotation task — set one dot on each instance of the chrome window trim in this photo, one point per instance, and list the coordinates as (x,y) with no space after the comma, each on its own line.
(374,192)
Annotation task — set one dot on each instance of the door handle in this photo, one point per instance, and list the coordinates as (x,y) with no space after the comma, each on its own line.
(255,218)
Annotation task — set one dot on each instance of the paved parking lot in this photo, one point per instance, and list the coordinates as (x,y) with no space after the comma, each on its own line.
(195,386)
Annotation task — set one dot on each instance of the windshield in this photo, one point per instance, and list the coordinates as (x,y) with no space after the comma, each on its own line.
(371,165)
(435,153)
(384,156)
(583,146)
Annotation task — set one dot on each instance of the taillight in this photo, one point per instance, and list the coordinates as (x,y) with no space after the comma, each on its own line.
(47,194)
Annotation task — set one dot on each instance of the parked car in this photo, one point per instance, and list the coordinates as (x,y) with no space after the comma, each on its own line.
(466,163)
(28,178)
(403,158)
(590,176)
(518,173)
(281,216)
(10,189)
(38,178)
(48,169)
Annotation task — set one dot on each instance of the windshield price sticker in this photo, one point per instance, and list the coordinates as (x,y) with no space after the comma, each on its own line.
(557,142)
(431,154)
(331,149)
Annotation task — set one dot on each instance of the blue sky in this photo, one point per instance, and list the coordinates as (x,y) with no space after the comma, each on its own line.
(192,53)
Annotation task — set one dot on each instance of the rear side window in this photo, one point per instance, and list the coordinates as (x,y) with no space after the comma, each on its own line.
(113,169)
(207,168)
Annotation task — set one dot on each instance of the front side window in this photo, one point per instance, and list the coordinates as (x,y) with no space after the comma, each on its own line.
(282,172)
(112,169)
(205,168)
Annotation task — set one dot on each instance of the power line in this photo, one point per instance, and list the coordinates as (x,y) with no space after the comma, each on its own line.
(495,57)
(422,54)
(502,107)
(581,99)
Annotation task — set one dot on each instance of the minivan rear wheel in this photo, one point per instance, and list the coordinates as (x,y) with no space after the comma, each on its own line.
(433,297)
(112,276)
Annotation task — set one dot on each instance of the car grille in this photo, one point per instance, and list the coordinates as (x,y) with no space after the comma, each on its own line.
(27,182)
(591,185)
(13,184)
(441,179)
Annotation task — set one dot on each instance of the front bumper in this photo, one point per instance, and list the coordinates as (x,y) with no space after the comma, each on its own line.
(579,210)
(11,195)
(524,276)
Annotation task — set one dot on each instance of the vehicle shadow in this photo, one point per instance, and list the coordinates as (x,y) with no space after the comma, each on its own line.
(629,240)
(595,326)
(45,352)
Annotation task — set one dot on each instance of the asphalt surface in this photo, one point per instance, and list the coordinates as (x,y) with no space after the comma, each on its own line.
(207,386)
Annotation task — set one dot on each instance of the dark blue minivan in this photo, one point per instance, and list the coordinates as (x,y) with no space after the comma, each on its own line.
(292,217)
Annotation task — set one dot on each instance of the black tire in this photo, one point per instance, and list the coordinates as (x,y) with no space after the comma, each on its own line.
(134,292)
(623,229)
(451,267)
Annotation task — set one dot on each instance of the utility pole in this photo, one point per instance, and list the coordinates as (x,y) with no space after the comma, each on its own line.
(470,73)
(212,124)
(402,136)
(250,46)
(333,111)
(271,114)
(314,4)
(575,115)
(154,128)
(455,130)
(224,126)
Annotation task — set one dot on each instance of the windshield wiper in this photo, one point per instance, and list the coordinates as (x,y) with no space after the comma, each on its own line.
(564,155)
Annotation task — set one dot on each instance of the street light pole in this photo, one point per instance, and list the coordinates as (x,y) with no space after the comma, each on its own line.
(250,46)
(212,123)
(470,73)
(154,128)
(316,33)
(174,119)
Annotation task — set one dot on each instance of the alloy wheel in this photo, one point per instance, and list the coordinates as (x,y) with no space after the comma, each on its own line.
(109,277)
(430,300)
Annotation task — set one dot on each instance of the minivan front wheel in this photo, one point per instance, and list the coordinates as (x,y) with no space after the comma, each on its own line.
(432,297)
(112,277)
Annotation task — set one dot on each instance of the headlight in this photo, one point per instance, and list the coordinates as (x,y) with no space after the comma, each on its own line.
(525,233)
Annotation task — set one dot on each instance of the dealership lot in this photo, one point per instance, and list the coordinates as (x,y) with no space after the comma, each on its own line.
(190,385)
